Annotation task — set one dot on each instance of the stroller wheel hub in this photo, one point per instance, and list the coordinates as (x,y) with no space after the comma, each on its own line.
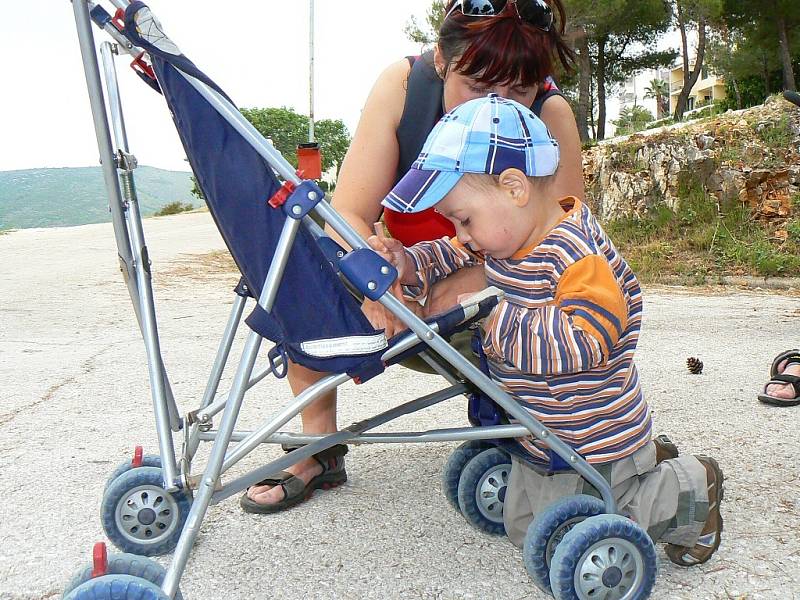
(147,516)
(613,565)
(612,576)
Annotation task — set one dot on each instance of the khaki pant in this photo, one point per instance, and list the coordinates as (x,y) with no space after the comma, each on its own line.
(669,500)
(461,341)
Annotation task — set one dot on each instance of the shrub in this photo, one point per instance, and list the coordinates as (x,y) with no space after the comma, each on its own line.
(173,208)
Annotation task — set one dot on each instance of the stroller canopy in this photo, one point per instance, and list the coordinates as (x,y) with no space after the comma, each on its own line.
(315,320)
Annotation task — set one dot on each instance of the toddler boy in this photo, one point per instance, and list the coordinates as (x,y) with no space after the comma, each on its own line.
(561,341)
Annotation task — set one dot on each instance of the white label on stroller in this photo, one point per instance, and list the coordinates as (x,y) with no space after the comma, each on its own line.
(150,29)
(344,346)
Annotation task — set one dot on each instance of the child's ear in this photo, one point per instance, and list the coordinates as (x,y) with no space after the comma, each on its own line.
(515,183)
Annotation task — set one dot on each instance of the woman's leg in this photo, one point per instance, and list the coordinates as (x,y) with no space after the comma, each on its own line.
(318,417)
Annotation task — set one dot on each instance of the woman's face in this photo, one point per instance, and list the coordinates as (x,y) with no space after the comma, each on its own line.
(459,88)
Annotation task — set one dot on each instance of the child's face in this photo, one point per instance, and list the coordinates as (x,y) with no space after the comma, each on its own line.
(487,218)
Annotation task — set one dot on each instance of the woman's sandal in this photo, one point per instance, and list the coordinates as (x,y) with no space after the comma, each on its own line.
(711,535)
(294,490)
(779,377)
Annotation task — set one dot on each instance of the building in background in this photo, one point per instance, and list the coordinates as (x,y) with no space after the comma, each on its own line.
(632,93)
(709,88)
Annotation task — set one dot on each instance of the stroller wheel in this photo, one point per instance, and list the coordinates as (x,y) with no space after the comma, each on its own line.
(124,564)
(117,587)
(139,516)
(148,460)
(606,556)
(455,465)
(548,529)
(482,490)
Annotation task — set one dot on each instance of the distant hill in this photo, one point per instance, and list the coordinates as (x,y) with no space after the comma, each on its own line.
(77,196)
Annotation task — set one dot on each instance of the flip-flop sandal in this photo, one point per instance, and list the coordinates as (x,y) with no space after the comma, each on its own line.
(792,380)
(294,490)
(790,356)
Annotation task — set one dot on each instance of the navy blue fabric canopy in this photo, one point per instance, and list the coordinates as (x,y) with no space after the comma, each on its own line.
(313,314)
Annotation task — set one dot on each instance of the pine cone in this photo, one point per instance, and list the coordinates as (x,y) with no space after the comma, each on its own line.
(695,365)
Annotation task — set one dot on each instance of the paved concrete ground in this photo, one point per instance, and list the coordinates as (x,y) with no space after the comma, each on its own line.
(76,401)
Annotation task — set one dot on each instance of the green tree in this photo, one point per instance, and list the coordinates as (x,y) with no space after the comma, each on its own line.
(659,91)
(697,14)
(775,24)
(287,129)
(620,36)
(427,33)
(632,119)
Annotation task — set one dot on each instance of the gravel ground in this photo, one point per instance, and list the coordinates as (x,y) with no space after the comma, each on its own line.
(76,401)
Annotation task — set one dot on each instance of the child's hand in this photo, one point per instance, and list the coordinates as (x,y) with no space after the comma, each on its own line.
(391,250)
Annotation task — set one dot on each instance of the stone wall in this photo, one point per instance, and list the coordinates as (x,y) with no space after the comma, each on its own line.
(750,156)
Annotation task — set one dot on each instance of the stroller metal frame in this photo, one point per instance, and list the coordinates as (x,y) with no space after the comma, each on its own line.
(118,166)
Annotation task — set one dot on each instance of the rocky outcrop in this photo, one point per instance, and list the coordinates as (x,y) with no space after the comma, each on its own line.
(750,156)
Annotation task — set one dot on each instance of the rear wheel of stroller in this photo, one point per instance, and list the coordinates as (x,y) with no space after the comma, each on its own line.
(117,587)
(148,460)
(139,516)
(548,529)
(124,564)
(451,474)
(482,490)
(606,556)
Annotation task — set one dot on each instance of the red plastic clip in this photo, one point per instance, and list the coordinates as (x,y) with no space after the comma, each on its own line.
(138,452)
(139,65)
(119,19)
(99,560)
(279,199)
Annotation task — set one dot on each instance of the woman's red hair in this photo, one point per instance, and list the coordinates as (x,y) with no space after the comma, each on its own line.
(503,49)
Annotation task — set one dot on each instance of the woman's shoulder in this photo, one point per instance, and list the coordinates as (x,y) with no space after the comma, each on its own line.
(389,91)
(394,77)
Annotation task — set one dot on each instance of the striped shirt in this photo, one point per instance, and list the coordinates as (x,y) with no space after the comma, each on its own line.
(561,342)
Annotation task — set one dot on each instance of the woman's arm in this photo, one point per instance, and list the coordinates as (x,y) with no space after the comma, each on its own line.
(370,165)
(557,115)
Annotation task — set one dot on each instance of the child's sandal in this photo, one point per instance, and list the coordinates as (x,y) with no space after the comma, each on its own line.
(711,536)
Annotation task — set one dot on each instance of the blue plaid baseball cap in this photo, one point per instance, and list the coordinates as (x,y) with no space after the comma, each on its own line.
(486,135)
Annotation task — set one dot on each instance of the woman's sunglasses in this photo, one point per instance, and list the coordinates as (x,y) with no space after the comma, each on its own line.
(536,12)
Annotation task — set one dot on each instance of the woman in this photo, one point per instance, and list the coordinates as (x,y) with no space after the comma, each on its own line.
(506,47)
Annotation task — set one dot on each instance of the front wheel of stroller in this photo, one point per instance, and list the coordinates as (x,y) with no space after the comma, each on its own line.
(482,490)
(148,460)
(139,516)
(547,530)
(606,556)
(124,564)
(117,587)
(458,459)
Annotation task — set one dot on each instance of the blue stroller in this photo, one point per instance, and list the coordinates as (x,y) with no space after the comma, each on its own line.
(304,286)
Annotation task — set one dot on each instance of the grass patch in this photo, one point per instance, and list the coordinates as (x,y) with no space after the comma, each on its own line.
(624,158)
(699,244)
(174,208)
(730,153)
(777,135)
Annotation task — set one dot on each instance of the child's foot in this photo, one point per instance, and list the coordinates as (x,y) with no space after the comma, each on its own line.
(665,449)
(711,535)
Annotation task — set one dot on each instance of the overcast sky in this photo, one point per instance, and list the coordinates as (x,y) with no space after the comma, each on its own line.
(256,50)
